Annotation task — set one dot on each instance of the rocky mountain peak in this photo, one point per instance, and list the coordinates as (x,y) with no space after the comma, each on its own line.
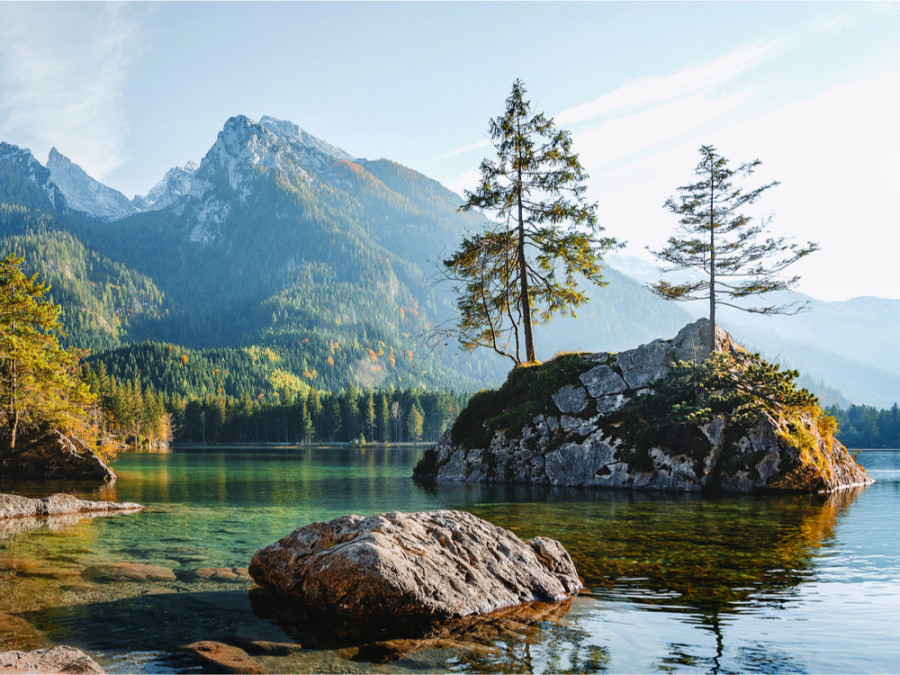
(85,194)
(173,186)
(24,164)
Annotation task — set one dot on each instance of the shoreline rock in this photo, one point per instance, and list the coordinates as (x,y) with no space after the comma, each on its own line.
(53,455)
(60,659)
(587,434)
(14,506)
(397,568)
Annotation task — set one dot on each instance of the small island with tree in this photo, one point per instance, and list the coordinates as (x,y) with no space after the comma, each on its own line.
(693,413)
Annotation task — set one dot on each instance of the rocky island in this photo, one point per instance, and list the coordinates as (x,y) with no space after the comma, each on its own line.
(658,417)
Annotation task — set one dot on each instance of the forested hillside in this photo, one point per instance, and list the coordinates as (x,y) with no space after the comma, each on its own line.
(278,266)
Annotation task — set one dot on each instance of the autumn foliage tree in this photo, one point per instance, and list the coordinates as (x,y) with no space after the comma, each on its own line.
(39,383)
(525,267)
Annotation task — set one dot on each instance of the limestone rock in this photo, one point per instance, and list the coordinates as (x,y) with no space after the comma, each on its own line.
(413,566)
(54,455)
(570,399)
(588,446)
(603,381)
(14,506)
(54,660)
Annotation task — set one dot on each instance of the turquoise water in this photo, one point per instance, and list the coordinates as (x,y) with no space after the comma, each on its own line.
(753,584)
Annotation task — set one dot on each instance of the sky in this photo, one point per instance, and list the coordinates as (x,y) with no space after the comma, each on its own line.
(128,90)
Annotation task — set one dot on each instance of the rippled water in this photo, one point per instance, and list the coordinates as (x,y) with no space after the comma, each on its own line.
(787,584)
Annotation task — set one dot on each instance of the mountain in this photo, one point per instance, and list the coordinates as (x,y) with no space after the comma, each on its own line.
(173,186)
(23,181)
(280,243)
(83,193)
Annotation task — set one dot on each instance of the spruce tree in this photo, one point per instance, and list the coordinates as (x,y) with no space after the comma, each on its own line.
(718,239)
(524,268)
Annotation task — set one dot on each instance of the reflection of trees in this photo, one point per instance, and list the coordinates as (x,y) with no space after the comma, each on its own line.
(706,557)
(706,553)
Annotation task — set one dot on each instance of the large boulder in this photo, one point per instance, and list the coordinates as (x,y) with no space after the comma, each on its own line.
(591,432)
(401,567)
(53,455)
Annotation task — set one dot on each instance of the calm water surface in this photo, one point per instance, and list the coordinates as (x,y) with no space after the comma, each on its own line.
(757,584)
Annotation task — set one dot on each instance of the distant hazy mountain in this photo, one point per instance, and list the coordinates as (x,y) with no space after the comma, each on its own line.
(849,345)
(280,243)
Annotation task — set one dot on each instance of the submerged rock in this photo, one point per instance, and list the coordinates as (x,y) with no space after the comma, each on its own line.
(14,506)
(399,567)
(606,424)
(129,571)
(54,660)
(218,657)
(54,455)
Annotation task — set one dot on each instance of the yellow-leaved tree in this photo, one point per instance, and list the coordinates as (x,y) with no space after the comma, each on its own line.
(39,382)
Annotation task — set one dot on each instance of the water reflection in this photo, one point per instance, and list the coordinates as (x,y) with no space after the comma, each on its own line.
(674,583)
(707,559)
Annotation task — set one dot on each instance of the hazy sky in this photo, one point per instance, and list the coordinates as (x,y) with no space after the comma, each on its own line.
(128,90)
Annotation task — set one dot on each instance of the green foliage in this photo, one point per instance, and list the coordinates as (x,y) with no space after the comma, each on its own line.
(523,268)
(526,393)
(102,301)
(862,426)
(736,386)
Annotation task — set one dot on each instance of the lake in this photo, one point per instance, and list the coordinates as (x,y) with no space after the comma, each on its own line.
(674,583)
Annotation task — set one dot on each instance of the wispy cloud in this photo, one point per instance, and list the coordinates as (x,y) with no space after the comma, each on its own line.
(62,73)
(474,146)
(655,90)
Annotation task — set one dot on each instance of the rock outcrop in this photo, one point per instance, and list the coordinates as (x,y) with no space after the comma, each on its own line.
(586,435)
(52,455)
(402,567)
(53,660)
(14,506)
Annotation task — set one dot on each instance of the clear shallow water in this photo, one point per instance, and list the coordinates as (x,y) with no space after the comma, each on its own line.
(762,584)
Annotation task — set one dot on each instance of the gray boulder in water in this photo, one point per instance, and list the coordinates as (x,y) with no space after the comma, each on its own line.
(429,566)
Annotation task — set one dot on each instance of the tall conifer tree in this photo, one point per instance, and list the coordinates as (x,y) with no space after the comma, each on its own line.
(524,269)
(717,238)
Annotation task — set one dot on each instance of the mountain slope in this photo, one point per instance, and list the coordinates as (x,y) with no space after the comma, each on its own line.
(278,240)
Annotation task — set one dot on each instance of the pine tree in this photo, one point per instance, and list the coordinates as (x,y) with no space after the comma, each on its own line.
(523,269)
(718,239)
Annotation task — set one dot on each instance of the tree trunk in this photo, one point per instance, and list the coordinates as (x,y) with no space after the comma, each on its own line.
(13,430)
(712,264)
(523,271)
